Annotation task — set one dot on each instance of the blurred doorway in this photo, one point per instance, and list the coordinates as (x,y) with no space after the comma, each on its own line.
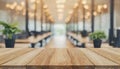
(59,29)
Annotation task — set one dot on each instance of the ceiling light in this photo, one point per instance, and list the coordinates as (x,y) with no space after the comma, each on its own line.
(88,13)
(45,6)
(38,1)
(105,6)
(60,1)
(60,6)
(84,2)
(31,14)
(14,4)
(23,3)
(19,8)
(86,6)
(8,5)
(12,7)
(99,8)
(76,5)
(32,1)
(60,10)
(95,13)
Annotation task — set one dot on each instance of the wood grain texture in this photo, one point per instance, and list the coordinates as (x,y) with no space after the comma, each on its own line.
(32,39)
(60,58)
(97,59)
(24,59)
(77,56)
(109,54)
(11,54)
(44,58)
(17,45)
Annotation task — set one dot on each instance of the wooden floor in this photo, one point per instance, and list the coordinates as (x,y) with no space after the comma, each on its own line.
(60,58)
(59,42)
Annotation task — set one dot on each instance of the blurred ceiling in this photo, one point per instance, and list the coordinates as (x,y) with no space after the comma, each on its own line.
(59,9)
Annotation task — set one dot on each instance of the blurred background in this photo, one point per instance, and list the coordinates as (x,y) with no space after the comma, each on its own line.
(61,16)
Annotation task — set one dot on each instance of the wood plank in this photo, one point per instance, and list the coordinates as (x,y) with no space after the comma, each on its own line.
(78,57)
(113,56)
(22,41)
(115,52)
(79,38)
(60,57)
(115,49)
(24,59)
(11,54)
(97,59)
(32,39)
(56,59)
(44,58)
(17,45)
(2,50)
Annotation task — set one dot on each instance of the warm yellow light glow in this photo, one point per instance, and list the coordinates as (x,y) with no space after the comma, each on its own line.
(38,1)
(60,6)
(32,1)
(13,5)
(84,2)
(50,17)
(60,1)
(31,14)
(99,8)
(33,7)
(76,5)
(8,5)
(46,10)
(88,13)
(105,6)
(67,19)
(60,10)
(23,3)
(95,13)
(86,6)
(45,6)
(19,8)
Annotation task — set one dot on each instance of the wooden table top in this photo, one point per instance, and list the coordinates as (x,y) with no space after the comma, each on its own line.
(79,37)
(32,39)
(89,58)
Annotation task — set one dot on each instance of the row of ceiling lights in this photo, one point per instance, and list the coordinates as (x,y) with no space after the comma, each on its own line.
(60,8)
(21,7)
(99,10)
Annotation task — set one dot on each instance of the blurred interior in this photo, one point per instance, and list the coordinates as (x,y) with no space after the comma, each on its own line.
(57,20)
